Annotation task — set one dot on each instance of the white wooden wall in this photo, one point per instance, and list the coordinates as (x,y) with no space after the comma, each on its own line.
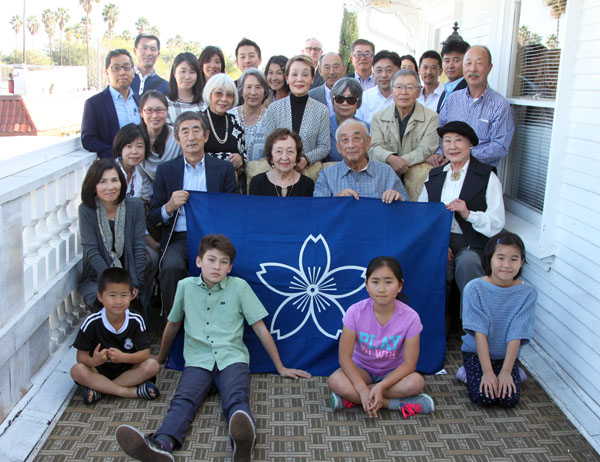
(568,311)
(568,316)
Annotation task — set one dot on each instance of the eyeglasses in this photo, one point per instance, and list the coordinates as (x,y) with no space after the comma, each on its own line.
(152,110)
(316,49)
(351,100)
(405,87)
(363,55)
(220,94)
(118,67)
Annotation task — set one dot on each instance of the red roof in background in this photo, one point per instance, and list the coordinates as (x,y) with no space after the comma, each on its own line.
(14,117)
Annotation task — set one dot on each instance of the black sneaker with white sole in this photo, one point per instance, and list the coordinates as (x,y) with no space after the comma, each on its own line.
(145,448)
(243,436)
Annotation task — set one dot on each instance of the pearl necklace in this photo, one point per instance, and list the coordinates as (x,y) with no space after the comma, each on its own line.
(242,118)
(212,127)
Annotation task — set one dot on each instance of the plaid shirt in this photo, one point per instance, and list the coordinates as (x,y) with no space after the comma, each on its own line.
(372,181)
(489,115)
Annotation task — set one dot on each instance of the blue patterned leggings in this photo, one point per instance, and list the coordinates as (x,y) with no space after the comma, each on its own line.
(474,374)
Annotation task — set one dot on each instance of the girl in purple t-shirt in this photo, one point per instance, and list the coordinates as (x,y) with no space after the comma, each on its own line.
(379,349)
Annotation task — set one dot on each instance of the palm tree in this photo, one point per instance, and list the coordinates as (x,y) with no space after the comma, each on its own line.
(16,22)
(141,24)
(87,7)
(69,36)
(33,25)
(49,21)
(557,9)
(154,31)
(110,14)
(62,18)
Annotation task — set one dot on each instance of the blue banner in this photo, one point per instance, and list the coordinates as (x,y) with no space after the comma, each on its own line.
(305,259)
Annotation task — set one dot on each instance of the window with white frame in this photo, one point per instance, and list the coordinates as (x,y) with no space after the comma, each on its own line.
(536,50)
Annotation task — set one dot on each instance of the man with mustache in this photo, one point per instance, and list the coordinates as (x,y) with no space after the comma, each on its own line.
(484,109)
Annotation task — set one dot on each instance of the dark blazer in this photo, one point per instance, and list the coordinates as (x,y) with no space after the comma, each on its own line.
(472,192)
(462,84)
(156,82)
(318,80)
(220,177)
(100,123)
(319,94)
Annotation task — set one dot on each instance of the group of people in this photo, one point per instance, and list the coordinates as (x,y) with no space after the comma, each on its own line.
(302,127)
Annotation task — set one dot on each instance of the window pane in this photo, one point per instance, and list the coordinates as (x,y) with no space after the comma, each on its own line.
(537,52)
(529,154)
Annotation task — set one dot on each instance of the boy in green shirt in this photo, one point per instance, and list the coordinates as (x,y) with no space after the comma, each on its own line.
(212,307)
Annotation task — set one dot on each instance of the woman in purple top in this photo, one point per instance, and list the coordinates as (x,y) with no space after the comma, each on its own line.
(379,349)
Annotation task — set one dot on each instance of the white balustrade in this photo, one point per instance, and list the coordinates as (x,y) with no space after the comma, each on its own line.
(41,258)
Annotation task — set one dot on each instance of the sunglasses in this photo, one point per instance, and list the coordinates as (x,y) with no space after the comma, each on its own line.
(351,100)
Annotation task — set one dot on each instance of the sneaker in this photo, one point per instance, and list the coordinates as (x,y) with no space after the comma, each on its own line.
(243,436)
(140,447)
(522,374)
(338,403)
(461,374)
(418,404)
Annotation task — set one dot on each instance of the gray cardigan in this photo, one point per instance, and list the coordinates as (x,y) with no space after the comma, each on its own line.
(314,129)
(95,256)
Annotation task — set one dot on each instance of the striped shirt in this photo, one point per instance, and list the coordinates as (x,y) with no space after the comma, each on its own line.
(489,115)
(372,181)
(501,314)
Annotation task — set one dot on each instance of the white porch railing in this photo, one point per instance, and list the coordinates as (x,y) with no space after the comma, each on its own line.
(40,256)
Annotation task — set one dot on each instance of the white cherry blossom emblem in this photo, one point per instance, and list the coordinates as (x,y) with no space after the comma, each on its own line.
(311,290)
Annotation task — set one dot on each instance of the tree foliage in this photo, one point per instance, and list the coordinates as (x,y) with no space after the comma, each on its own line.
(348,34)
(110,15)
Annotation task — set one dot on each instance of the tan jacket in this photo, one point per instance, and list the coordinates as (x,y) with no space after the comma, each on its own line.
(420,139)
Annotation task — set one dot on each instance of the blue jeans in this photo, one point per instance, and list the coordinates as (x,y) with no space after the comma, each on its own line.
(232,383)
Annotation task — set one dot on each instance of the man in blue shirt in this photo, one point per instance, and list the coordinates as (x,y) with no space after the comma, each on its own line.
(356,175)
(147,51)
(114,107)
(174,180)
(485,110)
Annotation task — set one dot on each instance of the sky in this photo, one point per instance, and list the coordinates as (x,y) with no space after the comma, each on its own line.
(279,27)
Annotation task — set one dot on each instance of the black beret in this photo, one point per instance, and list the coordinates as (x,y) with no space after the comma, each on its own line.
(462,128)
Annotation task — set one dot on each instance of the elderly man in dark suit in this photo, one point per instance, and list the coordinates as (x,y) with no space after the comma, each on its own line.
(174,179)
(114,107)
(332,69)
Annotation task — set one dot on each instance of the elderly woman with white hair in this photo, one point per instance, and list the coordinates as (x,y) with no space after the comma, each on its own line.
(253,90)
(226,140)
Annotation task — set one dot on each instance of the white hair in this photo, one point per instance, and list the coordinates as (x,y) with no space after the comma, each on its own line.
(347,121)
(218,81)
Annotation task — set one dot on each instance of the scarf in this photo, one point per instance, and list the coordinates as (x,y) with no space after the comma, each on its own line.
(107,235)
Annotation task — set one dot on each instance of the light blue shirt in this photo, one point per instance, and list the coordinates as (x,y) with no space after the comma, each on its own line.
(372,181)
(449,87)
(367,83)
(194,179)
(127,109)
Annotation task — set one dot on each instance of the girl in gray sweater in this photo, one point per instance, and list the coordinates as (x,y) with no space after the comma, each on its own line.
(498,317)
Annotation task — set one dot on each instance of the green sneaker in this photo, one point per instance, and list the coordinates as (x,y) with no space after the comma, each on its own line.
(338,403)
